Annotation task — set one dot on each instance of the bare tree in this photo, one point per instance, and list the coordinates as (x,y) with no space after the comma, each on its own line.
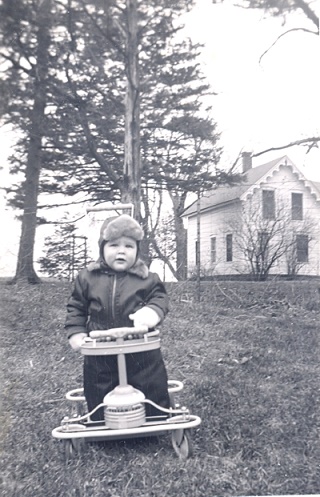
(263,238)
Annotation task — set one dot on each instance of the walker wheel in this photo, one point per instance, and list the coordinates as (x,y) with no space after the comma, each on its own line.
(182,444)
(71,448)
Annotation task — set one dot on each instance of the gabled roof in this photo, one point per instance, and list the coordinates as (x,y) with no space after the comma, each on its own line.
(251,179)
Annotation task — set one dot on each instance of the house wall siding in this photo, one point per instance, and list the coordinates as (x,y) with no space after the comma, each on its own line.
(214,223)
(218,222)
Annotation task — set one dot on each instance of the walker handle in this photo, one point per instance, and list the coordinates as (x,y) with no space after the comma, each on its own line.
(119,332)
(113,207)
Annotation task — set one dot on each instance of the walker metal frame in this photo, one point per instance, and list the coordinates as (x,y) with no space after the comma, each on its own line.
(78,428)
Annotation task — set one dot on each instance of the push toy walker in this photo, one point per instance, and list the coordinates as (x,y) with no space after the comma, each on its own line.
(124,407)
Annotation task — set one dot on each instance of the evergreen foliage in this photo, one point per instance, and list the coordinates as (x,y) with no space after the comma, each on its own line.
(285,7)
(80,135)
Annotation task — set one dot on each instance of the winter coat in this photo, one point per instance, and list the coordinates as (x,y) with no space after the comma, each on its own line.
(104,299)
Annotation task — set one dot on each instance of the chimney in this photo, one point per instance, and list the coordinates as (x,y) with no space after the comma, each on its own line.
(246,161)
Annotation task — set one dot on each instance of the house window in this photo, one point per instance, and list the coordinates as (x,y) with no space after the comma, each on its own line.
(302,242)
(213,249)
(229,248)
(268,204)
(297,206)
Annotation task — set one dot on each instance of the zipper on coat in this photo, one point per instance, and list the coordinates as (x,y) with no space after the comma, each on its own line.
(113,298)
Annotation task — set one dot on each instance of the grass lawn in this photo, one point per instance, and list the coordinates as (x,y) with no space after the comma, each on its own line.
(248,355)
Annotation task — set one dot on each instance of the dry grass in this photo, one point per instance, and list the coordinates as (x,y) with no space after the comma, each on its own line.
(248,354)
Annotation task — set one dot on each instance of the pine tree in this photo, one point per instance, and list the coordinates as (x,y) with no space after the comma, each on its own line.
(26,42)
(82,145)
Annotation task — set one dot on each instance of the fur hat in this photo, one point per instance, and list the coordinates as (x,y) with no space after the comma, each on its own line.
(115,227)
(123,225)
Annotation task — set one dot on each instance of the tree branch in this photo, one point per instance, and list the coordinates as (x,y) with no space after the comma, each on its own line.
(312,142)
(163,258)
(102,32)
(16,64)
(308,12)
(284,34)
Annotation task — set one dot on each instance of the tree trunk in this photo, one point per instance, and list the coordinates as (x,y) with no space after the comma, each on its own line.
(131,190)
(25,268)
(181,236)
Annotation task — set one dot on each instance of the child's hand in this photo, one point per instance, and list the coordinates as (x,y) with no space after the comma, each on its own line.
(145,317)
(76,340)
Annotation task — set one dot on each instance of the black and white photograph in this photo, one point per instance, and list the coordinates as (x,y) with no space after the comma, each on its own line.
(160,248)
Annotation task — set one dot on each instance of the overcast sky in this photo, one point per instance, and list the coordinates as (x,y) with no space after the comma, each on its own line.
(258,106)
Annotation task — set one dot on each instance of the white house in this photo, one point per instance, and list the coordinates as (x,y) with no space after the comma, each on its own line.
(272,217)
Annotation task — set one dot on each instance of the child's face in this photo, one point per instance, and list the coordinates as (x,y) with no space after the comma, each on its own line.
(120,254)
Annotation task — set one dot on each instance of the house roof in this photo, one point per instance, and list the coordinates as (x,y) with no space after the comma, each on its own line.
(252,178)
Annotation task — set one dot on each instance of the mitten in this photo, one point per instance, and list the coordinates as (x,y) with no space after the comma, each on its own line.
(145,317)
(76,340)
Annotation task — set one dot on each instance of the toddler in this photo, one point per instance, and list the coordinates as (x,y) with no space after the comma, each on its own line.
(119,290)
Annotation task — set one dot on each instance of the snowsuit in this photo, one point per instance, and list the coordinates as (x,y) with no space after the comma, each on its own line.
(104,299)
